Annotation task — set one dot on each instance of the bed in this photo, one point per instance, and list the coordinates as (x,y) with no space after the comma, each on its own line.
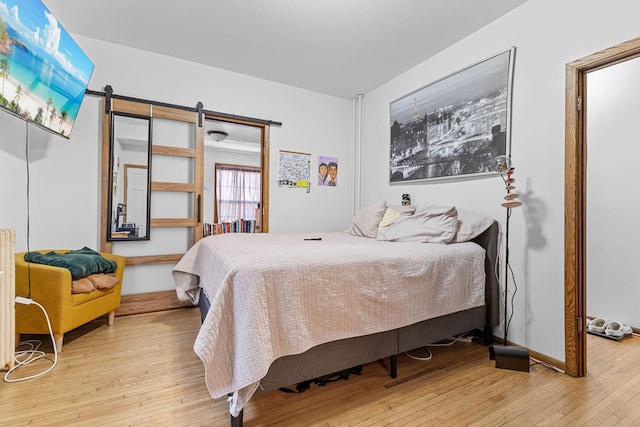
(283,308)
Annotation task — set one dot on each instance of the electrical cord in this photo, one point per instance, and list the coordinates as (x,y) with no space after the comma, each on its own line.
(506,322)
(422,359)
(515,288)
(31,354)
(428,350)
(496,271)
(546,365)
(26,156)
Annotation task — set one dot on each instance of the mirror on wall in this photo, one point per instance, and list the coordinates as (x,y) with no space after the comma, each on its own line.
(233,150)
(129,213)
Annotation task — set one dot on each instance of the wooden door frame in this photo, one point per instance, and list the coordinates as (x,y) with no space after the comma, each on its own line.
(264,161)
(575,283)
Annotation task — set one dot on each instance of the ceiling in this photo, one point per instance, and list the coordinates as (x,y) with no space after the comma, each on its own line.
(336,47)
(240,137)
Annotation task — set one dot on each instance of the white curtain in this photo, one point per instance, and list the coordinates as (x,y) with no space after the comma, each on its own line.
(237,192)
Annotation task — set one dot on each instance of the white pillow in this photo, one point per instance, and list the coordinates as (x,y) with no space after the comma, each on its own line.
(367,220)
(470,225)
(435,225)
(404,210)
(394,212)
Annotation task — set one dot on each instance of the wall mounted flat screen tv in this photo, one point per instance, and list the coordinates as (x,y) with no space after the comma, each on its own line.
(43,72)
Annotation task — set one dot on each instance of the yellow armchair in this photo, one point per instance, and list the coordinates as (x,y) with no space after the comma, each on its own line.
(51,287)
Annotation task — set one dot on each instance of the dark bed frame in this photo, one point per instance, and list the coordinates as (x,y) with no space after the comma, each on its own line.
(339,355)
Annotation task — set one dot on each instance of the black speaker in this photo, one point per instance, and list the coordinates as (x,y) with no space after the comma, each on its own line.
(510,357)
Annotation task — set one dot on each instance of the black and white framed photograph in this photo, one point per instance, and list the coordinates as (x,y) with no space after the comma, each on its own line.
(454,126)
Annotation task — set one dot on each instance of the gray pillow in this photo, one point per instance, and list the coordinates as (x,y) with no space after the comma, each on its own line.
(470,225)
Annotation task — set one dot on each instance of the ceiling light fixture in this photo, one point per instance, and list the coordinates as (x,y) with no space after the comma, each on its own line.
(217,135)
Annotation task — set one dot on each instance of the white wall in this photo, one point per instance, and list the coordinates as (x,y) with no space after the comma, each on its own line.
(65,174)
(547,34)
(64,182)
(613,207)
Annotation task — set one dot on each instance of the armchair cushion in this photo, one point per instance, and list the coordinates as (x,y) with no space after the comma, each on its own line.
(82,286)
(103,281)
(92,282)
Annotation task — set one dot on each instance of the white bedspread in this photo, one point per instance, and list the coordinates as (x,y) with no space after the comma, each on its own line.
(277,294)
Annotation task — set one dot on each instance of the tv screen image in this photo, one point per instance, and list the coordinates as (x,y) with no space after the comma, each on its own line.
(43,72)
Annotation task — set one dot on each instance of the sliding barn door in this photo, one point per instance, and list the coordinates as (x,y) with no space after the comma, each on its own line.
(176,170)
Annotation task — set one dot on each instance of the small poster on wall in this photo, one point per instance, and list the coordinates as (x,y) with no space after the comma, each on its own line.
(294,169)
(328,171)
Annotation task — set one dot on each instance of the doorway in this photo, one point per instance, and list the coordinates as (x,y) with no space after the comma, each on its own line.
(575,197)
(135,196)
(240,143)
(612,204)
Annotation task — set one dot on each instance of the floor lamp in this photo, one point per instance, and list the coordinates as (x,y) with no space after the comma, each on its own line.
(508,357)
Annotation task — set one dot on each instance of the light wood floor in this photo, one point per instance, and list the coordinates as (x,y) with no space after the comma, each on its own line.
(143,371)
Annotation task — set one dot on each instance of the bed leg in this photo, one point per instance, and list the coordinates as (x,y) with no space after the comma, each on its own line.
(237,421)
(488,336)
(393,366)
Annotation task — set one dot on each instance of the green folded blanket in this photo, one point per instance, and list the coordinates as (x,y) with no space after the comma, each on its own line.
(81,262)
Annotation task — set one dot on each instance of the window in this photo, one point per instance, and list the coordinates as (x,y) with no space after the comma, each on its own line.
(237,192)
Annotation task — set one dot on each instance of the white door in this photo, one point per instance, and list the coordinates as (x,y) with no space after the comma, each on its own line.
(136,197)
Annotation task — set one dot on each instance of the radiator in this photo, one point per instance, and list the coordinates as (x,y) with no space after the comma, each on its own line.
(7,297)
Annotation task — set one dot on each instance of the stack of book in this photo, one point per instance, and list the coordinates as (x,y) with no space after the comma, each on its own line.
(237,226)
